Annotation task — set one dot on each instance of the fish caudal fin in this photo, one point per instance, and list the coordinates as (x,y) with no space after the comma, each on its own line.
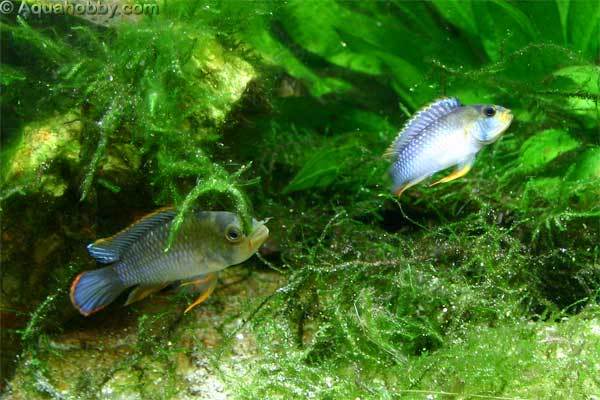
(91,291)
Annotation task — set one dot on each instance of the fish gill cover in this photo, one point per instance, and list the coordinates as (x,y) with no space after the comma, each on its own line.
(485,287)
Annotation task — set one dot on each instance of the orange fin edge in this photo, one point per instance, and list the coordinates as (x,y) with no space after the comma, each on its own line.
(212,280)
(407,185)
(150,214)
(72,296)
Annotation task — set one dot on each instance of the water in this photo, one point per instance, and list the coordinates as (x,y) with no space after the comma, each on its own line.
(488,285)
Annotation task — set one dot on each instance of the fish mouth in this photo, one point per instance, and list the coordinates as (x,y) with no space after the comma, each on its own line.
(259,235)
(507,117)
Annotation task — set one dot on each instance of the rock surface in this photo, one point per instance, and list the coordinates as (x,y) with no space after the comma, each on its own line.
(151,350)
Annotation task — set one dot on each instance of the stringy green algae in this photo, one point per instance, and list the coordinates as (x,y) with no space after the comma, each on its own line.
(487,287)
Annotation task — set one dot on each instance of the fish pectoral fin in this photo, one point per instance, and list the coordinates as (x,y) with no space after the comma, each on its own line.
(210,282)
(141,292)
(460,171)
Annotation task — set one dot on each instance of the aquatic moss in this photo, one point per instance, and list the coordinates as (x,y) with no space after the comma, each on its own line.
(492,362)
(487,286)
(379,285)
(140,110)
(132,95)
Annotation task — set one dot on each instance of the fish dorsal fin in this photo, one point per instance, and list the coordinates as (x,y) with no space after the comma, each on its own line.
(421,120)
(110,249)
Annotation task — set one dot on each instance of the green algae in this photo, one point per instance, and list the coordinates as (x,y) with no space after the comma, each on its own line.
(486,287)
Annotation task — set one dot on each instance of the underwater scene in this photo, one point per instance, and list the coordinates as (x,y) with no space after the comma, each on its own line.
(301,199)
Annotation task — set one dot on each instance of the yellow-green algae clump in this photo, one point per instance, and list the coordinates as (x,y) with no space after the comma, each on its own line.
(41,144)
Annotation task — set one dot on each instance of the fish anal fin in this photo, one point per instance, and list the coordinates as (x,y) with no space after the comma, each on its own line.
(401,190)
(110,249)
(460,171)
(141,292)
(207,285)
(398,192)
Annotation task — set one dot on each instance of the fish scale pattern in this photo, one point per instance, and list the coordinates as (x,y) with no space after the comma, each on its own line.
(420,121)
(410,164)
(142,264)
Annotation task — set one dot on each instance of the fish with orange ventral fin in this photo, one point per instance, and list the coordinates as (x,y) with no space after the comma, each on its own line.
(207,242)
(441,135)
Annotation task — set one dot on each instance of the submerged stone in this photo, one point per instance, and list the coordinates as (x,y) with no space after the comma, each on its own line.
(44,147)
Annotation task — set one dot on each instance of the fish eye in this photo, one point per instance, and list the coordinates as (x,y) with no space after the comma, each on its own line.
(233,234)
(489,111)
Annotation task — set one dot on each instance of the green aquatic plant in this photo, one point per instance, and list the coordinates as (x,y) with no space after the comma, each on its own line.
(393,285)
(139,110)
(486,287)
(131,94)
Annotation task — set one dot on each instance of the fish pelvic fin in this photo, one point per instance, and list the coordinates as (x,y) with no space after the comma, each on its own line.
(110,249)
(460,171)
(207,285)
(141,292)
(91,291)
